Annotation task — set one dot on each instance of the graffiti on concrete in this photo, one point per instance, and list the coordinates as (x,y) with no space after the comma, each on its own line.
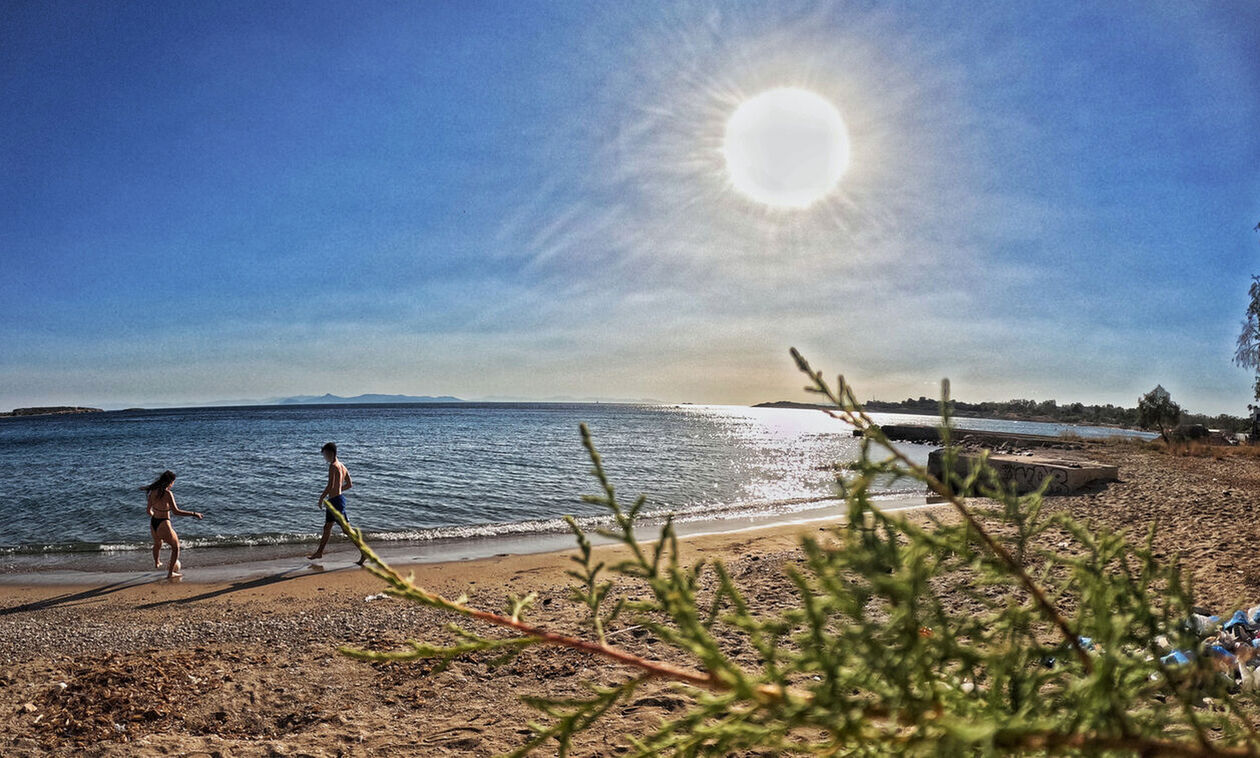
(1027,473)
(1027,478)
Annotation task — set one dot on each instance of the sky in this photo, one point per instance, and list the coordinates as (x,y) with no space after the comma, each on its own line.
(208,201)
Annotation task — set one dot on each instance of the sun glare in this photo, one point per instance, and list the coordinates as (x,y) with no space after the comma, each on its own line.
(786,148)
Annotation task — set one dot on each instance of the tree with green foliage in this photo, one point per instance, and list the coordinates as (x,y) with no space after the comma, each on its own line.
(1058,646)
(1156,410)
(1247,353)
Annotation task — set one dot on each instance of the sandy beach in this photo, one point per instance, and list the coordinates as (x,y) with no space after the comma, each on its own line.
(251,668)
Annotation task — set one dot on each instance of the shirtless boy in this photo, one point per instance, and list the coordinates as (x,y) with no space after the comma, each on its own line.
(338,482)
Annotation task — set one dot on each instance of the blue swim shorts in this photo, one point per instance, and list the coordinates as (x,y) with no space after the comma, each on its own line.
(338,502)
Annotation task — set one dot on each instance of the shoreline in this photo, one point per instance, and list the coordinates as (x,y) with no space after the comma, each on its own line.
(237,563)
(341,578)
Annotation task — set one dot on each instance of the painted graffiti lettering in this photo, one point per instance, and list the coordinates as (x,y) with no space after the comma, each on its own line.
(1028,478)
(1027,474)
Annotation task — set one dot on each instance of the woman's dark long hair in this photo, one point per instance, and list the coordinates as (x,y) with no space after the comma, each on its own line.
(163,481)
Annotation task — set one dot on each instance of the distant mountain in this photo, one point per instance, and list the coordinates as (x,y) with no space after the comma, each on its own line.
(338,400)
(569,399)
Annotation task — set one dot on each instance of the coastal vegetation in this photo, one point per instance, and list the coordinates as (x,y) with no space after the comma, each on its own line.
(1049,411)
(1059,648)
(1156,410)
(1247,351)
(49,411)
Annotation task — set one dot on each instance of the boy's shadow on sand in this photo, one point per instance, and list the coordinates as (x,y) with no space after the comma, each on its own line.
(71,598)
(262,581)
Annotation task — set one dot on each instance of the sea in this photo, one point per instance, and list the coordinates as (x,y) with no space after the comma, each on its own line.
(431,481)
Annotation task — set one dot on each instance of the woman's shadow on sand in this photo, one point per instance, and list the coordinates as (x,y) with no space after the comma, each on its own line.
(74,598)
(250,584)
(71,598)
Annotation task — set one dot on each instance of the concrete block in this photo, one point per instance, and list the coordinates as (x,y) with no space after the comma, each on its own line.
(1029,471)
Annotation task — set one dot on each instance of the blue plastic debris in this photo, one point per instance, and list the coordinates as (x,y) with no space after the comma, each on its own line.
(1238,619)
(1221,652)
(1177,658)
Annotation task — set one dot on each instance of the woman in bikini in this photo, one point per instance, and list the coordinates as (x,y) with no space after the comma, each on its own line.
(161,506)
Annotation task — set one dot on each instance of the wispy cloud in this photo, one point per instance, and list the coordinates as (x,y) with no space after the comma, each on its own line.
(1037,204)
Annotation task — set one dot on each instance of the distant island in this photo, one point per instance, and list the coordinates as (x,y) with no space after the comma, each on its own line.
(1048,411)
(52,410)
(357,399)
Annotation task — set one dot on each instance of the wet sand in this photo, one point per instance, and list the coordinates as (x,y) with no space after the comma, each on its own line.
(250,667)
(234,564)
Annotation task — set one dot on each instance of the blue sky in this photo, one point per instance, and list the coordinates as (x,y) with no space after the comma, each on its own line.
(240,200)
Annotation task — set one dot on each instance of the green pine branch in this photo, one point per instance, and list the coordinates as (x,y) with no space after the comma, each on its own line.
(944,638)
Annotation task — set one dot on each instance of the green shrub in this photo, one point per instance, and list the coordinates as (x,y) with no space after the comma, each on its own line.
(1156,410)
(1005,630)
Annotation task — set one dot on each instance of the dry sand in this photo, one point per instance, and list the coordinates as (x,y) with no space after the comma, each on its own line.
(251,668)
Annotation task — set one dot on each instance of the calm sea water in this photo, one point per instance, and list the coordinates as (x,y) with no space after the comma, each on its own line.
(421,472)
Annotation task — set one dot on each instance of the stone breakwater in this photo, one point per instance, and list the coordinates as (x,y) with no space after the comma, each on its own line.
(931,435)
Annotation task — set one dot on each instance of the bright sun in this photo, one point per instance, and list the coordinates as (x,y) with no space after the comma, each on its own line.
(786,147)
